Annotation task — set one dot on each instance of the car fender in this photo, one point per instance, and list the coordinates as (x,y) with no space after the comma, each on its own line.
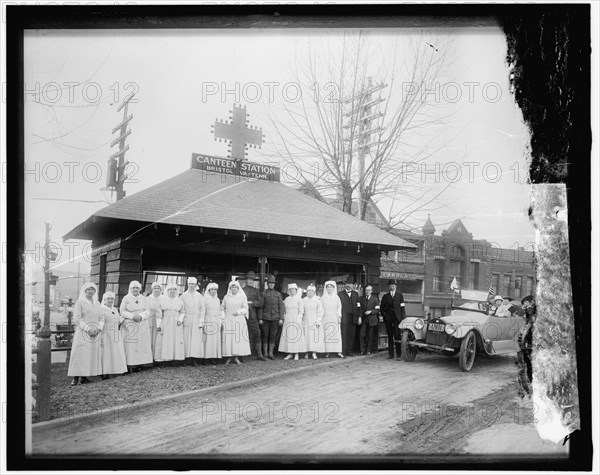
(463,329)
(409,324)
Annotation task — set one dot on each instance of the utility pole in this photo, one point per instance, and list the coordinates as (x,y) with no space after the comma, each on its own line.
(44,353)
(115,178)
(363,113)
(47,251)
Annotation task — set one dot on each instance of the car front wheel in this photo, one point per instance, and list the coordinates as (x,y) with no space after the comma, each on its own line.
(466,356)
(409,352)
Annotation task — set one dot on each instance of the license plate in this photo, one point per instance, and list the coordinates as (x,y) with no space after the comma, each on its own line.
(436,327)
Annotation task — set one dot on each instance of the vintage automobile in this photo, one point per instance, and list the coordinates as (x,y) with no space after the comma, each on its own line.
(472,326)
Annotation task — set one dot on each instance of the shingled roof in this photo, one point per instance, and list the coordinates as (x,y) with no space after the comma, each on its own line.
(198,198)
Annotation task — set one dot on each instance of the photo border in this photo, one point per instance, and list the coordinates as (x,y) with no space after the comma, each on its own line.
(19,18)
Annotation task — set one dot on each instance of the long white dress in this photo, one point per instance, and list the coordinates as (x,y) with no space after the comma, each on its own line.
(154,313)
(136,335)
(113,350)
(192,333)
(169,341)
(86,357)
(235,329)
(314,336)
(212,327)
(292,334)
(332,310)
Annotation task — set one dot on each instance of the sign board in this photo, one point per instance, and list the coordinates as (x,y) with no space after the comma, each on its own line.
(230,166)
(400,275)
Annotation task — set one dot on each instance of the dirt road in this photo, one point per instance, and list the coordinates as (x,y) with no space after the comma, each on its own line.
(366,405)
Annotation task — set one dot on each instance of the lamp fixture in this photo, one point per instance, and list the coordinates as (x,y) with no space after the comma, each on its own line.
(177,229)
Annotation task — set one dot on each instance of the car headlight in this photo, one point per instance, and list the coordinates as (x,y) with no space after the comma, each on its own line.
(450,328)
(419,323)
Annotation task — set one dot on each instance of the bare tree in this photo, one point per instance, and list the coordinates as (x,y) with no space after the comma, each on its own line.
(365,121)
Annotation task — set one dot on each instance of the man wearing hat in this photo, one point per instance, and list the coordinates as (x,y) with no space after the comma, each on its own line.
(369,327)
(193,322)
(525,340)
(393,312)
(350,316)
(270,316)
(254,303)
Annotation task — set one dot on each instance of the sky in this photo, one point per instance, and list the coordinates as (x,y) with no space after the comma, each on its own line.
(185,79)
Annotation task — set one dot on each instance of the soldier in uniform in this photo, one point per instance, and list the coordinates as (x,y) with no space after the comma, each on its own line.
(270,317)
(254,303)
(525,340)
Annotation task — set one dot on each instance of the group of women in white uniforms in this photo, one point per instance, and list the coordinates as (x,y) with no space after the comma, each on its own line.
(97,348)
(166,327)
(312,324)
(162,327)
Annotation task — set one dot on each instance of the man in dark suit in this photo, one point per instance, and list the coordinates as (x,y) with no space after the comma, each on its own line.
(392,309)
(350,316)
(369,326)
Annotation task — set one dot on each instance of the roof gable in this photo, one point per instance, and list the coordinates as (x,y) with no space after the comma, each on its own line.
(458,230)
(198,198)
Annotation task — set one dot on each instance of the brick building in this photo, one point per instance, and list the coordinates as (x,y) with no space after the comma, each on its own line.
(425,274)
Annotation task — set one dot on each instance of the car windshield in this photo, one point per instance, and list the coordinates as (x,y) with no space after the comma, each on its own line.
(473,300)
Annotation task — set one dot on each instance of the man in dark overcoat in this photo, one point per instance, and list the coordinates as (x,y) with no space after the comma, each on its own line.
(350,316)
(369,321)
(393,311)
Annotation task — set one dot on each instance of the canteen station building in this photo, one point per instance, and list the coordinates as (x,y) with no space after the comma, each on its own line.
(222,218)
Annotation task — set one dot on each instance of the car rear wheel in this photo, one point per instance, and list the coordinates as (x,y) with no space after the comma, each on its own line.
(466,355)
(409,352)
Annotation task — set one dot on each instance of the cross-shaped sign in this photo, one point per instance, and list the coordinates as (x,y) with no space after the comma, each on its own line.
(238,134)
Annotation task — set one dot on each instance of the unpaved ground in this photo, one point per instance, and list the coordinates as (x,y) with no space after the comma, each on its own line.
(366,405)
(151,383)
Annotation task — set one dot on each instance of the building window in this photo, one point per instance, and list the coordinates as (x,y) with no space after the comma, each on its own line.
(474,284)
(496,283)
(505,284)
(164,278)
(457,269)
(102,277)
(529,286)
(518,286)
(457,265)
(438,276)
(439,249)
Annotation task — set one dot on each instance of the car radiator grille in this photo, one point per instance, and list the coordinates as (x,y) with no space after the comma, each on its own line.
(435,338)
